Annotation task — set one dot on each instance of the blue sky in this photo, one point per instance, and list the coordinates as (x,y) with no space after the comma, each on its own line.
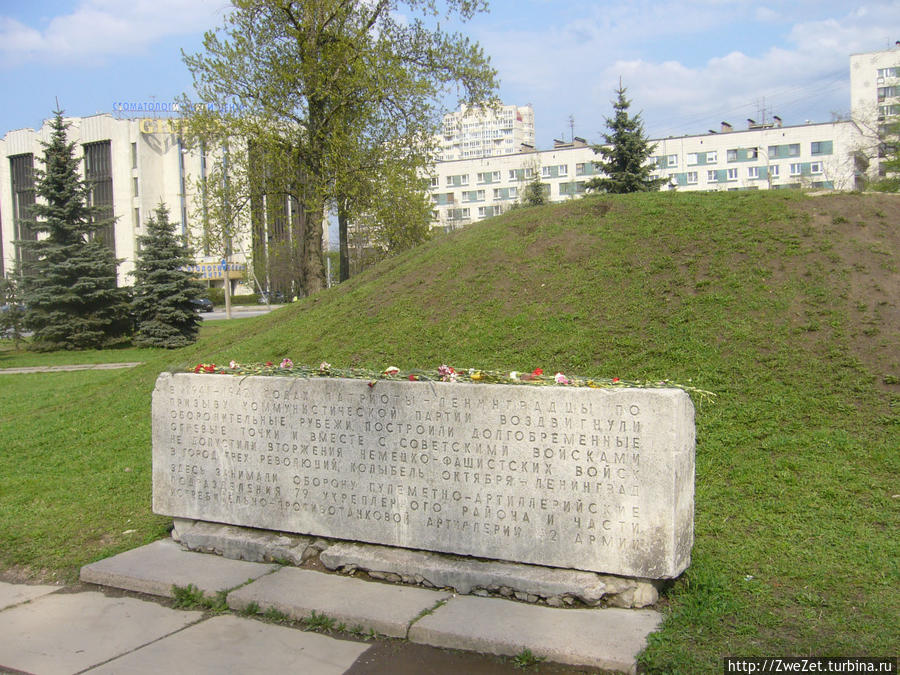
(687,64)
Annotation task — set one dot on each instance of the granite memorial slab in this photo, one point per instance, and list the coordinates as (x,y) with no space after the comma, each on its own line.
(574,477)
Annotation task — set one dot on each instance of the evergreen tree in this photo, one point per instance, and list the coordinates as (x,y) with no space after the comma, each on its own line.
(69,275)
(12,311)
(163,289)
(625,153)
(533,194)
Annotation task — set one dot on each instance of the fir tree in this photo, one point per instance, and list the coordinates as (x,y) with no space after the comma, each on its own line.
(69,275)
(163,289)
(533,194)
(625,153)
(12,311)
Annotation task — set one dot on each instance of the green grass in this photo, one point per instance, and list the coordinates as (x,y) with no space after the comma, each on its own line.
(796,548)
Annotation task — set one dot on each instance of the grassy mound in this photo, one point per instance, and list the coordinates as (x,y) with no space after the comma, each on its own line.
(784,305)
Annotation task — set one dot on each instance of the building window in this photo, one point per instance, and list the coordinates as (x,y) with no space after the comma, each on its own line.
(134,155)
(691,177)
(692,159)
(888,72)
(473,196)
(21,170)
(434,181)
(137,217)
(731,155)
(773,171)
(793,150)
(753,172)
(752,153)
(489,177)
(712,157)
(489,211)
(732,174)
(98,175)
(712,177)
(134,186)
(672,161)
(796,169)
(521,174)
(456,181)
(815,167)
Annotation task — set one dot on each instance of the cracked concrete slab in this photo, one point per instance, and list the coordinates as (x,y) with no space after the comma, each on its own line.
(231,644)
(602,638)
(15,594)
(156,567)
(386,609)
(68,632)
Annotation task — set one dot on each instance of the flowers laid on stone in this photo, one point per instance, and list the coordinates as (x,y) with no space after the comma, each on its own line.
(443,373)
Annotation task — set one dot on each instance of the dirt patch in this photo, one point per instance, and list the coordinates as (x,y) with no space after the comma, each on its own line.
(860,249)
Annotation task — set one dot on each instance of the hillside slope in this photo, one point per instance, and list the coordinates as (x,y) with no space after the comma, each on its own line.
(784,305)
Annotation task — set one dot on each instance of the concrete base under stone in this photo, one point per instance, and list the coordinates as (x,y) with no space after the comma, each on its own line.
(526,582)
(244,543)
(529,583)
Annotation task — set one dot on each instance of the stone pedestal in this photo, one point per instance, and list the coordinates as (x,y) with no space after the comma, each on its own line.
(592,479)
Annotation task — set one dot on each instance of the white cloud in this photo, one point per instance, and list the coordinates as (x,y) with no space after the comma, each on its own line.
(99,29)
(689,64)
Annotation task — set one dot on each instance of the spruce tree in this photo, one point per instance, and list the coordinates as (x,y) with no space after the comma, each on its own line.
(68,274)
(163,289)
(625,153)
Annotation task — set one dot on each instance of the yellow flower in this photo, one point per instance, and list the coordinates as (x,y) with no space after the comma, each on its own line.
(476,376)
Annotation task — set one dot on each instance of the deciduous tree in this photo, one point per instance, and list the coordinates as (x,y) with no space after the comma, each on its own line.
(311,76)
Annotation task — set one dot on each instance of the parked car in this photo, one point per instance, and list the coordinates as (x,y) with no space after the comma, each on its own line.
(202,304)
(271,298)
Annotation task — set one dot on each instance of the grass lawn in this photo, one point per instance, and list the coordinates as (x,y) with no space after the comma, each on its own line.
(785,306)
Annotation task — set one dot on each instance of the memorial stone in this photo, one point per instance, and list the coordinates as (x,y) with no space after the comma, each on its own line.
(573,477)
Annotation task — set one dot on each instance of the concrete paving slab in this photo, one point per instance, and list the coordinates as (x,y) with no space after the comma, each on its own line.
(231,644)
(16,594)
(68,632)
(386,609)
(602,638)
(156,567)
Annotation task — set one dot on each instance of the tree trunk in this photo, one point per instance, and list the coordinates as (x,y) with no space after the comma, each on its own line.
(342,237)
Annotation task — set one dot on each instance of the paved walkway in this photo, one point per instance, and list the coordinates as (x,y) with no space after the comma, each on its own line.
(63,369)
(51,629)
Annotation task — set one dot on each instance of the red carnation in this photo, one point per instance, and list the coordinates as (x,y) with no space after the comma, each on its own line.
(537,372)
(615,379)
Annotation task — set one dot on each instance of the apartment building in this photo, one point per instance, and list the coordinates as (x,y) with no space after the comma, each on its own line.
(474,132)
(874,98)
(765,155)
(762,156)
